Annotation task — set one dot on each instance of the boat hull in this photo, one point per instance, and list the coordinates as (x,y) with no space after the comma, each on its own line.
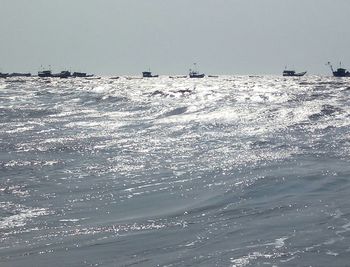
(293,74)
(197,75)
(148,74)
(337,74)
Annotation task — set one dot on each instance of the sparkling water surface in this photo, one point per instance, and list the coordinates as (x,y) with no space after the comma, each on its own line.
(228,171)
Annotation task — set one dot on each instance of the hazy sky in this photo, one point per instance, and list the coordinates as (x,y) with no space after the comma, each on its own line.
(128,36)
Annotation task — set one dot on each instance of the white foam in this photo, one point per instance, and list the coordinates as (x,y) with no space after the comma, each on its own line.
(22,218)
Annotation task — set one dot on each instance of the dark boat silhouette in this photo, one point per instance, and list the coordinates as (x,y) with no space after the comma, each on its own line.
(45,74)
(63,74)
(148,74)
(340,72)
(18,74)
(81,75)
(194,73)
(292,73)
(178,77)
(49,74)
(3,75)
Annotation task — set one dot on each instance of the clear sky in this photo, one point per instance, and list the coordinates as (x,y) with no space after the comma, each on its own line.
(128,36)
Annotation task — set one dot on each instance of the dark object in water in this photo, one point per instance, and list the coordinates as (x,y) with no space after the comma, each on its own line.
(292,73)
(115,78)
(15,81)
(3,75)
(148,74)
(185,91)
(93,78)
(45,74)
(213,76)
(158,92)
(194,73)
(178,77)
(81,75)
(62,74)
(17,74)
(340,72)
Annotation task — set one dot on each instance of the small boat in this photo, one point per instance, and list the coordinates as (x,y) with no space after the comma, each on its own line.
(81,75)
(213,76)
(3,75)
(45,73)
(148,74)
(63,74)
(292,73)
(340,72)
(178,77)
(17,74)
(194,73)
(93,78)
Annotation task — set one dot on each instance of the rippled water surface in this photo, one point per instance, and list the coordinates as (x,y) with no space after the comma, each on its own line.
(228,171)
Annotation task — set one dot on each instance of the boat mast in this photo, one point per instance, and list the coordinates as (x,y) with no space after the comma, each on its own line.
(195,68)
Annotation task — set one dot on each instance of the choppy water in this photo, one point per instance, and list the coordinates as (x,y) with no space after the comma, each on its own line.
(228,171)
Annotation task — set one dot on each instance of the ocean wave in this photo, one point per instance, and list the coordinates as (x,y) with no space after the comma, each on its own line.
(231,171)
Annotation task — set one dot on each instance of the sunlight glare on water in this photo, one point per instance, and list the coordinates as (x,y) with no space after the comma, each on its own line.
(228,171)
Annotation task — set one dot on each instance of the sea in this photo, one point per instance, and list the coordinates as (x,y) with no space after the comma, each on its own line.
(222,171)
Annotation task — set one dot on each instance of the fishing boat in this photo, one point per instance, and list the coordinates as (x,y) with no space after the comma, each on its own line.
(63,74)
(81,75)
(45,73)
(3,75)
(18,74)
(148,74)
(194,72)
(340,72)
(292,73)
